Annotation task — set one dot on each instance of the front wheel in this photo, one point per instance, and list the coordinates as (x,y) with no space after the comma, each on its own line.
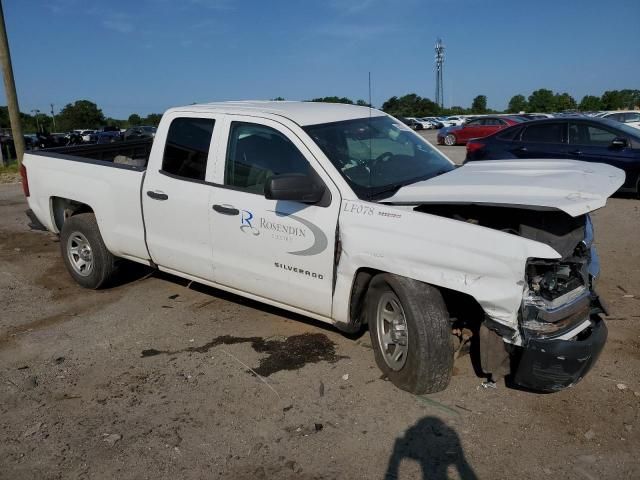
(410,333)
(84,252)
(450,140)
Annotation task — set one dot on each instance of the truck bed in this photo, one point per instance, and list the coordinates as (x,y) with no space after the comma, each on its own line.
(133,154)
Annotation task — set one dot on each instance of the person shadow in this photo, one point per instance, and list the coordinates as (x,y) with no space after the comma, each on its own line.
(435,446)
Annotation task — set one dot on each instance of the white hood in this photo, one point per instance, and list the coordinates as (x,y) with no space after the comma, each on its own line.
(571,186)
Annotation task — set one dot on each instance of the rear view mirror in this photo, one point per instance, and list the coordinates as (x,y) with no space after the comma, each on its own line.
(619,142)
(295,187)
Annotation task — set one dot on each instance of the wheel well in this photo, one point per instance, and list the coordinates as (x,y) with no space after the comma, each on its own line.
(464,310)
(63,208)
(358,293)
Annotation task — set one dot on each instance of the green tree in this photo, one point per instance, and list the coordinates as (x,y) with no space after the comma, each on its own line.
(590,103)
(542,100)
(80,114)
(410,105)
(564,101)
(278,99)
(333,100)
(362,103)
(479,104)
(134,119)
(620,99)
(455,110)
(153,119)
(517,104)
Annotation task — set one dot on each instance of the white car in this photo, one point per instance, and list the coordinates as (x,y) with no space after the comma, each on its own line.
(86,135)
(343,214)
(631,118)
(456,121)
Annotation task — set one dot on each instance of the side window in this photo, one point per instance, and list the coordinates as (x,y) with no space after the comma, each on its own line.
(256,153)
(187,148)
(632,117)
(582,134)
(475,123)
(545,133)
(510,133)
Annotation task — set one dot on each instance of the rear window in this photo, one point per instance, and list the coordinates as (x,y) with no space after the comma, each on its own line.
(544,133)
(187,148)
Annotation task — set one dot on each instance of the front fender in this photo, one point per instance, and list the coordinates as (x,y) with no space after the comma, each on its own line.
(487,264)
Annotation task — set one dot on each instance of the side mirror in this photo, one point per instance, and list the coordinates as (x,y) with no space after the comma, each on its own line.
(619,142)
(294,186)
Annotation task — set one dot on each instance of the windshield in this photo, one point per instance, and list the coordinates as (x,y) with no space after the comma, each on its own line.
(378,155)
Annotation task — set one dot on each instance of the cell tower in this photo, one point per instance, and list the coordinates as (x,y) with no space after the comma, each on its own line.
(439,68)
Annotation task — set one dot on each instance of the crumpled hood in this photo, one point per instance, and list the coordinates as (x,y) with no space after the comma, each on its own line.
(569,185)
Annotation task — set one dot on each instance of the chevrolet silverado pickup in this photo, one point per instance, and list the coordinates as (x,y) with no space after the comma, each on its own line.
(343,214)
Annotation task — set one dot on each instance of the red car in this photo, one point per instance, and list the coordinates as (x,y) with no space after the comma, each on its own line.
(478,128)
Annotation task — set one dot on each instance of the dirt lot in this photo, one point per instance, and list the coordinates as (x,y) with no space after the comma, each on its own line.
(150,379)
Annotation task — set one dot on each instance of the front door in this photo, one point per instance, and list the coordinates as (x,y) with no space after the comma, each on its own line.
(592,143)
(280,250)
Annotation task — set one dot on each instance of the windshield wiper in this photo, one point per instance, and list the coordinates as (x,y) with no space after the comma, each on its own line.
(390,191)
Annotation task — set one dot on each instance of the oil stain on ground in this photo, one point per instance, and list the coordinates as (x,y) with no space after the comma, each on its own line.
(292,353)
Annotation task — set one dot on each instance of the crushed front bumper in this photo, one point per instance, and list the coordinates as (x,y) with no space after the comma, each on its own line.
(552,363)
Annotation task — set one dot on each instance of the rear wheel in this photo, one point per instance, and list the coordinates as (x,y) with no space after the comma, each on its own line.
(450,140)
(410,333)
(84,252)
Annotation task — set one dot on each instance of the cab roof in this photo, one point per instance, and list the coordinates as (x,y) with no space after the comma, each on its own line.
(302,113)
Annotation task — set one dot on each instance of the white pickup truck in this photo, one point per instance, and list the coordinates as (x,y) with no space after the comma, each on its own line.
(343,214)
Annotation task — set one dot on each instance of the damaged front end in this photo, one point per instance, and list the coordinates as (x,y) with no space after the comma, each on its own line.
(562,332)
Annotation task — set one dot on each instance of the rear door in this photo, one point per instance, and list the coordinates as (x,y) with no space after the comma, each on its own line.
(280,250)
(492,125)
(473,129)
(542,140)
(175,196)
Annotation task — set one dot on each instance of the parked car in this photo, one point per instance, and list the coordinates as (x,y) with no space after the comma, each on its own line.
(456,121)
(588,139)
(108,134)
(86,135)
(139,132)
(631,118)
(480,127)
(435,123)
(343,214)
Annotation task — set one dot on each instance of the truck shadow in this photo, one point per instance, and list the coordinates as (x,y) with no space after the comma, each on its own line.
(139,272)
(435,446)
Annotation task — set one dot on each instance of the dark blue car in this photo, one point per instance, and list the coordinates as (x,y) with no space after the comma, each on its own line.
(576,138)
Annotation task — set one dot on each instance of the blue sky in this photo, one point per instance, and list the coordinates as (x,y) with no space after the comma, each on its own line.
(144,56)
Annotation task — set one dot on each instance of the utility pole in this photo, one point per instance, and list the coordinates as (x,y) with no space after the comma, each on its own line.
(439,73)
(36,112)
(10,90)
(53,117)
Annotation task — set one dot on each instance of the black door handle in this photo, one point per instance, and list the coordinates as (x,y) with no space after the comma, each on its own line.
(521,149)
(576,152)
(157,196)
(226,210)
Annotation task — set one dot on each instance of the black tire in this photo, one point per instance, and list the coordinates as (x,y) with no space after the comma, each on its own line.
(102,260)
(429,357)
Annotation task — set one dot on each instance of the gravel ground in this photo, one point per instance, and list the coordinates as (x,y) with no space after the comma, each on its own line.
(152,379)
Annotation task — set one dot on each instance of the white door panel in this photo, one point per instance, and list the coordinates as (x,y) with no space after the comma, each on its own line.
(177,204)
(281,250)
